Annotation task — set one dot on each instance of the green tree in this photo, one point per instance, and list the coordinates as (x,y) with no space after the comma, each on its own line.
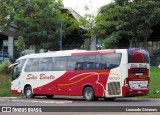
(133,21)
(120,2)
(39,24)
(4,15)
(20,44)
(88,24)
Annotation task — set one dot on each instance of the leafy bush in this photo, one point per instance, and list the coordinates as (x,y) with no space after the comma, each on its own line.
(1,68)
(4,66)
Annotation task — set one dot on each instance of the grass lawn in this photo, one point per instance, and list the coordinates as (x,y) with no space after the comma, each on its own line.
(5,84)
(154,91)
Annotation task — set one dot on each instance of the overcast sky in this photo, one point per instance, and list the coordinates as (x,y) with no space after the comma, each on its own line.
(79,5)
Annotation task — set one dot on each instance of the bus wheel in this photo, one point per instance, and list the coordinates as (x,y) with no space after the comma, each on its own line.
(49,96)
(28,93)
(88,94)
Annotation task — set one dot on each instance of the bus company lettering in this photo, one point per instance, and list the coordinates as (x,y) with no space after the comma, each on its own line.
(31,77)
(138,66)
(43,77)
(142,66)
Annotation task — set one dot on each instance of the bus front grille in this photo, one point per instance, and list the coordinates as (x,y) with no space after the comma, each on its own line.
(114,88)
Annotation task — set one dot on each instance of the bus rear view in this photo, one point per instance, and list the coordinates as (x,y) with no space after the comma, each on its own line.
(137,81)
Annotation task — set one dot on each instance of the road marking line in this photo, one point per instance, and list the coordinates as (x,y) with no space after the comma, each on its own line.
(49,102)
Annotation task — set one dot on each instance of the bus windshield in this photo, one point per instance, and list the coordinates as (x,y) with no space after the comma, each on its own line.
(138,56)
(17,69)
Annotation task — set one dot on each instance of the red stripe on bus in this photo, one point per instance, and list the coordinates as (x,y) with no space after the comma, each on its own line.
(84,53)
(94,52)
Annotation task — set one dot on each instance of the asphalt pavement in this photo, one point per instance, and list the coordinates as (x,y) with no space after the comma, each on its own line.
(63,105)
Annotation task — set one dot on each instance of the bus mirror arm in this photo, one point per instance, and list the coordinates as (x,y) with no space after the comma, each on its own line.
(12,65)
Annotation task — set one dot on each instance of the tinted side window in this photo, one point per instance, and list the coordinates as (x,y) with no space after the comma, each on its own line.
(75,63)
(110,61)
(59,63)
(45,64)
(92,62)
(32,65)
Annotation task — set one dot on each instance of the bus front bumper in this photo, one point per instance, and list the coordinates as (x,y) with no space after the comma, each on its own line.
(17,91)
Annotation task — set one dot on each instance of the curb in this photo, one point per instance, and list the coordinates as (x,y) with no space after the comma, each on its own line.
(8,97)
(75,97)
(135,98)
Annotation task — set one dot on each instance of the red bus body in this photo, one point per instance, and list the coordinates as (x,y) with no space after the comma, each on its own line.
(110,73)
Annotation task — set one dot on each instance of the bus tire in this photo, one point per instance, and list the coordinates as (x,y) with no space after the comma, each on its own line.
(88,94)
(28,93)
(49,96)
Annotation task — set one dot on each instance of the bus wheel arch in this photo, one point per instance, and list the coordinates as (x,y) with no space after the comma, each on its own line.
(28,91)
(88,93)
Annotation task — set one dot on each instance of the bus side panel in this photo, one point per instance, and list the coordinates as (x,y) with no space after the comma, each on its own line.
(113,86)
(73,82)
(124,72)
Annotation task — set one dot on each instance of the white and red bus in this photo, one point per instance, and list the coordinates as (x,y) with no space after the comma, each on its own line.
(107,74)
